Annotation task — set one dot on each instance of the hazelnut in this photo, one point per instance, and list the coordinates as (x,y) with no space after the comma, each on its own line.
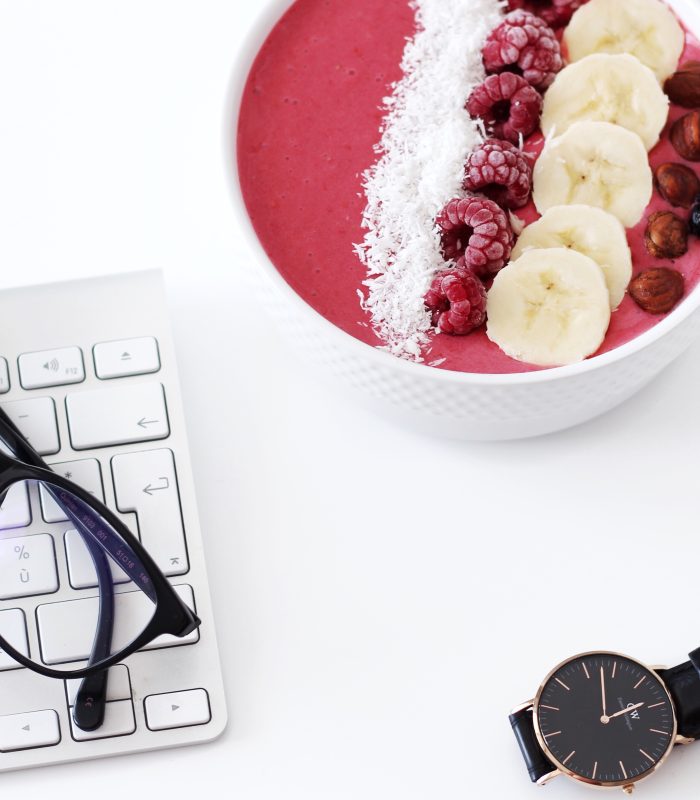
(677,184)
(685,136)
(658,290)
(666,235)
(683,87)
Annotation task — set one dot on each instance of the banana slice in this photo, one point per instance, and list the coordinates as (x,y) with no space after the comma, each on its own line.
(607,88)
(595,164)
(647,29)
(549,308)
(587,230)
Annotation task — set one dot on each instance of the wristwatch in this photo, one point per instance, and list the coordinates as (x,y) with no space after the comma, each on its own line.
(607,720)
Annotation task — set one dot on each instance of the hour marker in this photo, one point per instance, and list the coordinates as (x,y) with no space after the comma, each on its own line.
(585,669)
(640,682)
(561,683)
(656,705)
(551,708)
(614,668)
(654,730)
(624,771)
(595,770)
(646,755)
(571,755)
(547,735)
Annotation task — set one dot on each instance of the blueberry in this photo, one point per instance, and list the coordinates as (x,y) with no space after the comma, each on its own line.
(694,223)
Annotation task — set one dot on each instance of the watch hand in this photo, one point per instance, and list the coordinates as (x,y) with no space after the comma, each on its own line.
(604,718)
(626,710)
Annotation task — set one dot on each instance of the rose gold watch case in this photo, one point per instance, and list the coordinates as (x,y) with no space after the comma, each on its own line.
(561,768)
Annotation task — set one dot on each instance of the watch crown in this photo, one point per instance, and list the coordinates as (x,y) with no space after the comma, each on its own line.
(628,789)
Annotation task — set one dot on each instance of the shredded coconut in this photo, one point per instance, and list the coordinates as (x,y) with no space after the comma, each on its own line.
(426,137)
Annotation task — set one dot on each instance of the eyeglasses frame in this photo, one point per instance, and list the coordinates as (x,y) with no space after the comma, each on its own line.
(171,614)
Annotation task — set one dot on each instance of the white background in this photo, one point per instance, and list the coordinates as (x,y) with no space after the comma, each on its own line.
(382,599)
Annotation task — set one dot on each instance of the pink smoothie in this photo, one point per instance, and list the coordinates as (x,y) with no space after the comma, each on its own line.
(309,122)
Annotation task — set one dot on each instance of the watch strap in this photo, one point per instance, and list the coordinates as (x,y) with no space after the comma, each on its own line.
(683,684)
(538,765)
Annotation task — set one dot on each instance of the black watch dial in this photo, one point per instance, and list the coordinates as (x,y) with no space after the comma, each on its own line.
(605,719)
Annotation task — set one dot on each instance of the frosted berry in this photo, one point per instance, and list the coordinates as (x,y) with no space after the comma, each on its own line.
(502,172)
(457,300)
(526,45)
(508,106)
(475,234)
(554,12)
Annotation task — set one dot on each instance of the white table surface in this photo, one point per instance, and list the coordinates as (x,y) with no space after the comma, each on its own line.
(383,599)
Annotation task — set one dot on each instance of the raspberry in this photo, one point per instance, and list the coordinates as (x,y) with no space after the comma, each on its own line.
(554,12)
(526,45)
(476,234)
(508,105)
(457,300)
(500,171)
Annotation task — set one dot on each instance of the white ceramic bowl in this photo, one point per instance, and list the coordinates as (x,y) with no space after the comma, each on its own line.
(455,404)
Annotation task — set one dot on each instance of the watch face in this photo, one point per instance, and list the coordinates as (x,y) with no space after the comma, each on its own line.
(605,719)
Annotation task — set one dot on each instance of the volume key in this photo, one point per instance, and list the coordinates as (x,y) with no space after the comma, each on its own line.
(51,368)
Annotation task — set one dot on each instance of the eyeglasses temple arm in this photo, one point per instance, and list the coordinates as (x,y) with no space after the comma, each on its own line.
(90,525)
(90,699)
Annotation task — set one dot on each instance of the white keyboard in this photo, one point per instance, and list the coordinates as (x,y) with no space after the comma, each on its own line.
(88,374)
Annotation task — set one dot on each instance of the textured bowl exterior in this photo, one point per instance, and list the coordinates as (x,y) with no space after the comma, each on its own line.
(471,410)
(456,405)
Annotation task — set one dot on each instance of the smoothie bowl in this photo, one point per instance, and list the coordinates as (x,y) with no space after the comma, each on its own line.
(484,221)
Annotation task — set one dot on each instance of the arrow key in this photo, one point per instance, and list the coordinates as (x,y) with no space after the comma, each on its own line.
(24,731)
(118,415)
(177,709)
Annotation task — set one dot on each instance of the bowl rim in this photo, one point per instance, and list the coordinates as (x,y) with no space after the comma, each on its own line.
(269,14)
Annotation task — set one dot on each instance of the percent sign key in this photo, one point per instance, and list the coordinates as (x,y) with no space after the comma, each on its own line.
(21,552)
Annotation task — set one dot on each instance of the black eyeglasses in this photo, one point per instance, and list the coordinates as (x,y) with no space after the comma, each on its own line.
(135,604)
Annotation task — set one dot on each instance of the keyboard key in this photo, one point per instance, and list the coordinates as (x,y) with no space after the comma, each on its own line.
(15,511)
(27,566)
(67,629)
(146,483)
(119,721)
(127,357)
(85,473)
(177,709)
(118,685)
(13,627)
(51,368)
(81,568)
(4,377)
(36,419)
(119,415)
(34,729)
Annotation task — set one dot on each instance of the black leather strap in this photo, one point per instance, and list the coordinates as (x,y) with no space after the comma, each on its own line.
(683,684)
(536,762)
